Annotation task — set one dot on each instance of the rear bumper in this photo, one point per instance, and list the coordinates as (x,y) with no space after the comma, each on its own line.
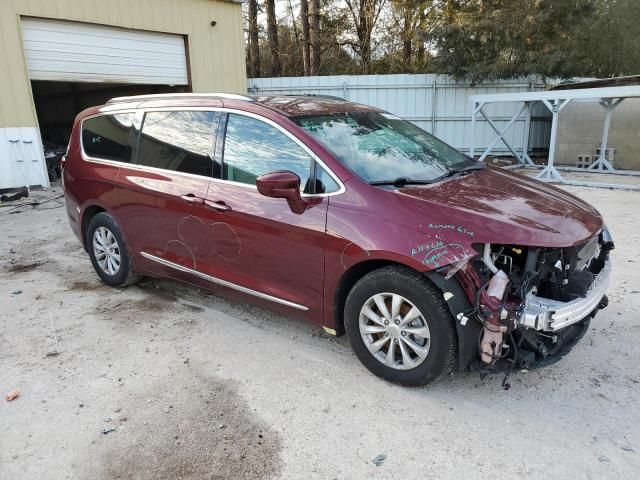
(551,315)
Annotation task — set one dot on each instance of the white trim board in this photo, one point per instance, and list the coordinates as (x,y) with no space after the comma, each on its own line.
(22,158)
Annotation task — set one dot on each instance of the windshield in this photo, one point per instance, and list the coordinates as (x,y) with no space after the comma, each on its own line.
(381,147)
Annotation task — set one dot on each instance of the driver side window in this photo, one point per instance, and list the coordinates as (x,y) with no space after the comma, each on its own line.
(253,147)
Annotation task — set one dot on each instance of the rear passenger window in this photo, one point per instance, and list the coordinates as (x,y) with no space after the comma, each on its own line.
(109,137)
(178,141)
(253,148)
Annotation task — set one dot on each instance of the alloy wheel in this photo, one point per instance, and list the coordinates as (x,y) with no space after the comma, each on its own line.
(106,250)
(394,331)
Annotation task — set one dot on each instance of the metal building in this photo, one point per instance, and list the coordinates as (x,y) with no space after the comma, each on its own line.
(436,103)
(58,57)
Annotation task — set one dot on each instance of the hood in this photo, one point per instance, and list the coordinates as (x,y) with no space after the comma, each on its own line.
(503,207)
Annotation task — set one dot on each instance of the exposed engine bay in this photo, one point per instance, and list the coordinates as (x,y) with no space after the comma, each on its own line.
(534,303)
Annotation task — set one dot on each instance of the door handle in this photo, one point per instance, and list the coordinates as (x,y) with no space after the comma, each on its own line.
(192,199)
(218,205)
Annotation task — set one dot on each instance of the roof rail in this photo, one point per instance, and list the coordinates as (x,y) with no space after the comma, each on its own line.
(167,96)
(314,95)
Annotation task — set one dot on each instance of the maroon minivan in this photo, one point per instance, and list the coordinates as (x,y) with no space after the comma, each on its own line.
(344,215)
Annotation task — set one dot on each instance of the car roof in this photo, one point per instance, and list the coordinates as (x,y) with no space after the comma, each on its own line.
(299,105)
(287,105)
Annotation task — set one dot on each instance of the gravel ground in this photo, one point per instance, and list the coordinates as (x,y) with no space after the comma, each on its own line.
(161,380)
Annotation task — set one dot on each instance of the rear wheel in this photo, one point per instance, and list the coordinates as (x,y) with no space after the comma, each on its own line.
(400,327)
(108,252)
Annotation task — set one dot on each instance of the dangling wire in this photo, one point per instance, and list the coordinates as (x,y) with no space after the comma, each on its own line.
(505,381)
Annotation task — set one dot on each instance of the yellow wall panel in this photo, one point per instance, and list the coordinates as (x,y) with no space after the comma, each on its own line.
(216,54)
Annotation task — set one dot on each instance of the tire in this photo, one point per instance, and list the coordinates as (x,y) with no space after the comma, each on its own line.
(103,235)
(421,355)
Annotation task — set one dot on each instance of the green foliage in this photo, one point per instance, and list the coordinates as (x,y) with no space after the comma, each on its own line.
(475,40)
(612,45)
(494,39)
(491,39)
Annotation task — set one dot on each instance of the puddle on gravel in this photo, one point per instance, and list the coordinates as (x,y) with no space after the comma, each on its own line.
(193,428)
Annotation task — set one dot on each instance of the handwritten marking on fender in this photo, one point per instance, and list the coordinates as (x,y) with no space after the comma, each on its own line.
(450,226)
(440,251)
(427,247)
(434,256)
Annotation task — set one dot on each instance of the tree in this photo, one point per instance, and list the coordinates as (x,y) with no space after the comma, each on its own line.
(475,40)
(406,15)
(491,39)
(254,52)
(365,15)
(336,58)
(272,35)
(613,41)
(314,36)
(306,41)
(404,42)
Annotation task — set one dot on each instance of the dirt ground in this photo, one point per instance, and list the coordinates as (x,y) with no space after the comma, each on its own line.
(163,381)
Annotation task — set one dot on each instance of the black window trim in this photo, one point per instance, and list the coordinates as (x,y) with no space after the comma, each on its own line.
(91,158)
(140,112)
(215,124)
(314,162)
(137,123)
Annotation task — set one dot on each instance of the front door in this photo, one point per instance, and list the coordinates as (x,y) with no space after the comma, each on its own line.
(257,242)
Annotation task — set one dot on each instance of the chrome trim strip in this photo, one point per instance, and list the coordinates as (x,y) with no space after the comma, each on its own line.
(552,315)
(135,166)
(169,96)
(221,282)
(301,144)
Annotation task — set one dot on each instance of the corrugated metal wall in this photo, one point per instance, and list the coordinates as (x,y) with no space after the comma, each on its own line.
(216,54)
(436,103)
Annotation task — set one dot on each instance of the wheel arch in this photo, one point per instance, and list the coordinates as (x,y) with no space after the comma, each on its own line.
(349,278)
(467,329)
(87,214)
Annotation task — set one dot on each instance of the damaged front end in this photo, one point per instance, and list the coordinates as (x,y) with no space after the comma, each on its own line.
(533,303)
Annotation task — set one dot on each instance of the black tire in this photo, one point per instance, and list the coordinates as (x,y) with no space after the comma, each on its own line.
(125,275)
(441,356)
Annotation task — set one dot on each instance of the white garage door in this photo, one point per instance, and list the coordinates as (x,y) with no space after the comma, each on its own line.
(81,52)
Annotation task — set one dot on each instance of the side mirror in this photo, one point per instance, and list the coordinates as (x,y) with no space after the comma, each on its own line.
(282,184)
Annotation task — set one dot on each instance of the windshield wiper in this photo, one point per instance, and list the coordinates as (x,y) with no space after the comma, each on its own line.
(458,171)
(401,182)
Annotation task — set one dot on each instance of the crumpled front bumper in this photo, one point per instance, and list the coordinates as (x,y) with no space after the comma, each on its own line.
(552,315)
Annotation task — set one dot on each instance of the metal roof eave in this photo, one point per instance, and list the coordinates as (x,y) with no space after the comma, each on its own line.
(584,94)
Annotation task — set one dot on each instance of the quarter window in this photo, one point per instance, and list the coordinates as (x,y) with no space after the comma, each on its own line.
(109,137)
(253,147)
(181,141)
(324,182)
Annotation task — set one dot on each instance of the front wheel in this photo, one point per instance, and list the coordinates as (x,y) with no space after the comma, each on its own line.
(400,327)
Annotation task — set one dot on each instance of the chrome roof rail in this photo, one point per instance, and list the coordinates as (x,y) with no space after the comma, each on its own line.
(169,96)
(315,95)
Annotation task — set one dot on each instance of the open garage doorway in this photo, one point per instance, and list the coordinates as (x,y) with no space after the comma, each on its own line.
(58,103)
(74,65)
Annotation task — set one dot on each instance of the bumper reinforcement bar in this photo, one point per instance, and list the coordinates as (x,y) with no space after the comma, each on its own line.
(552,315)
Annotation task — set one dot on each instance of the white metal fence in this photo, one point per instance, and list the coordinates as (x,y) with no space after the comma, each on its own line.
(436,103)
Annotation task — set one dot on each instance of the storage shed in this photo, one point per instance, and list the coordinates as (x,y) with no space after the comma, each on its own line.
(580,126)
(58,57)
